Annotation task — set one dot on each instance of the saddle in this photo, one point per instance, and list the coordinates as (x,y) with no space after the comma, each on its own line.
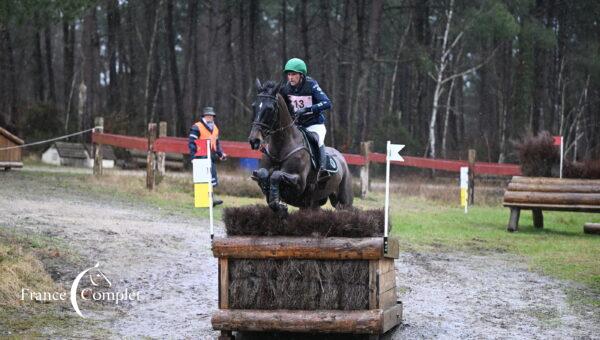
(311,141)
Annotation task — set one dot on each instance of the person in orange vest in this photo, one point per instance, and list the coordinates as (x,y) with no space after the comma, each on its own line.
(199,133)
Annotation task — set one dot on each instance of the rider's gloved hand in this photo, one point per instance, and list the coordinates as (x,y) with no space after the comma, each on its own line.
(303,110)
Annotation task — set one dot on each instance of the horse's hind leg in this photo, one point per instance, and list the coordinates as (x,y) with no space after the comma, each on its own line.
(345,195)
(333,200)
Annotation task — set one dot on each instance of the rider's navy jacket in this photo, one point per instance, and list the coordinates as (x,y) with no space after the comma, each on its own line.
(307,88)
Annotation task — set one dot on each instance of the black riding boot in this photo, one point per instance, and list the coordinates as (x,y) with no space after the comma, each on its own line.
(322,163)
(322,158)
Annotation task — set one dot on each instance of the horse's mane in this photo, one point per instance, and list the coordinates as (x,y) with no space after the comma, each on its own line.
(270,87)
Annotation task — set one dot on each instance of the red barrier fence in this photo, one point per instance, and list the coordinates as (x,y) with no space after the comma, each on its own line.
(242,150)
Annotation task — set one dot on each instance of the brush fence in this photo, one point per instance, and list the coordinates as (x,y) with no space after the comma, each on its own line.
(379,313)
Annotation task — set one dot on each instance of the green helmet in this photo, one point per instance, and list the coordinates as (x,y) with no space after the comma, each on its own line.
(295,65)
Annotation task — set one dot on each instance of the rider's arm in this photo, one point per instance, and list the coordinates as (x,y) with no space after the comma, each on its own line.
(321,100)
(219,151)
(194,133)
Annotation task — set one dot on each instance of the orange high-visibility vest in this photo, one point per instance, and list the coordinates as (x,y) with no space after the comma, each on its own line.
(204,135)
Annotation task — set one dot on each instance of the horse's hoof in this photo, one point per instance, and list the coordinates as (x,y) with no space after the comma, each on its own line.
(282,212)
(274,205)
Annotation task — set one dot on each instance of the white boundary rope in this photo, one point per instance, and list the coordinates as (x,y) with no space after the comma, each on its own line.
(49,140)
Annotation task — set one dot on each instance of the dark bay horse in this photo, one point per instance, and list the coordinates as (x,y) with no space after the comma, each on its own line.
(286,172)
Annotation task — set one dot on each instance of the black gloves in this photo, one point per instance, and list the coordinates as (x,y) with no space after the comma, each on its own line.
(303,110)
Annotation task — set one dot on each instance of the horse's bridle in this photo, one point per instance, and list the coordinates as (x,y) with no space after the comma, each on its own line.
(267,130)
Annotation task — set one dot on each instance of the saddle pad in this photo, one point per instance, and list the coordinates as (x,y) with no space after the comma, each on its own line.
(332,165)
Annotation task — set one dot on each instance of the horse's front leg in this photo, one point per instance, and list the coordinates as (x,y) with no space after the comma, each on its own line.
(278,177)
(261,176)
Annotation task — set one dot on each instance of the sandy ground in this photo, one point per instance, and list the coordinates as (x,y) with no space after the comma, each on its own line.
(167,258)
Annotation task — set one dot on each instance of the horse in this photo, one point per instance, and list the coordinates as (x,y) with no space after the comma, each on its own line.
(286,172)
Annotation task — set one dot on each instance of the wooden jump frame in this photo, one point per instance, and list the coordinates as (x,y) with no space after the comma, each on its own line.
(384,312)
(552,194)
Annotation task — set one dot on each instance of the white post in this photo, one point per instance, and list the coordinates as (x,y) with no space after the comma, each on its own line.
(387,198)
(561,156)
(210,192)
(464,187)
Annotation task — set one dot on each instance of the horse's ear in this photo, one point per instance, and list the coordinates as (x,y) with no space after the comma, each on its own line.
(258,85)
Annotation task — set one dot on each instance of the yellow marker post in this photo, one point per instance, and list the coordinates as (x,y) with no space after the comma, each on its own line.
(202,178)
(464,187)
(202,191)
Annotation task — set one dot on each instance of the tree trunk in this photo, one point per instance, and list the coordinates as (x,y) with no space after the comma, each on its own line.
(49,67)
(181,128)
(189,60)
(148,98)
(283,44)
(304,30)
(447,119)
(68,68)
(11,113)
(89,74)
(38,72)
(113,28)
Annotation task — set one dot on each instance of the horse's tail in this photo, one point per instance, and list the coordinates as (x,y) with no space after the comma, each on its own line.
(345,195)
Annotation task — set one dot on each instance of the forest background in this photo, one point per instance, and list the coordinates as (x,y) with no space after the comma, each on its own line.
(441,76)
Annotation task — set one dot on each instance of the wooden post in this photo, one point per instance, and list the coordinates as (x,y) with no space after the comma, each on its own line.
(538,218)
(591,228)
(472,157)
(160,156)
(513,221)
(99,123)
(150,158)
(365,185)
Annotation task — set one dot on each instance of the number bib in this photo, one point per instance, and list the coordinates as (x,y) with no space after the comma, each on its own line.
(300,102)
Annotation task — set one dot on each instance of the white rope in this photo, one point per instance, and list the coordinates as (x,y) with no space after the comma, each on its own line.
(50,140)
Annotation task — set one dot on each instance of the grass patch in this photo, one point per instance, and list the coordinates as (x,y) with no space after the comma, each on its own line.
(23,265)
(425,217)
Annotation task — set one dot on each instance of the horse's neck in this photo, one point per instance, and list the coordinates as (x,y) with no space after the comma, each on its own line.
(289,135)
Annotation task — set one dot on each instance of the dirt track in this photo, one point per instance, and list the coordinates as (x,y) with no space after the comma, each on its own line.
(167,257)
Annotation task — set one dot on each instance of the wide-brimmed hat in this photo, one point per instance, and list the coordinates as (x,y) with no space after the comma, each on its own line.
(208,111)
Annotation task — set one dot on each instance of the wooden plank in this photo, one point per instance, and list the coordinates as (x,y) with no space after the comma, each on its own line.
(11,164)
(555,207)
(554,187)
(305,321)
(223,283)
(391,317)
(387,298)
(553,180)
(534,198)
(591,228)
(386,265)
(373,283)
(393,248)
(329,248)
(387,281)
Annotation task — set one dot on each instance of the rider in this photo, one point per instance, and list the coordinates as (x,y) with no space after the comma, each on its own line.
(308,102)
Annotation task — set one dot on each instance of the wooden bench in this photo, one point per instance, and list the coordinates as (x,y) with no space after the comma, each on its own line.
(551,194)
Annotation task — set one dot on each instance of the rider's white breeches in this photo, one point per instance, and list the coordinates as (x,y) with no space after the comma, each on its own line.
(320,130)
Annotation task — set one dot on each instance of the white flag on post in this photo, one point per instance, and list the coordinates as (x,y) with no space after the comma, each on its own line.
(394,152)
